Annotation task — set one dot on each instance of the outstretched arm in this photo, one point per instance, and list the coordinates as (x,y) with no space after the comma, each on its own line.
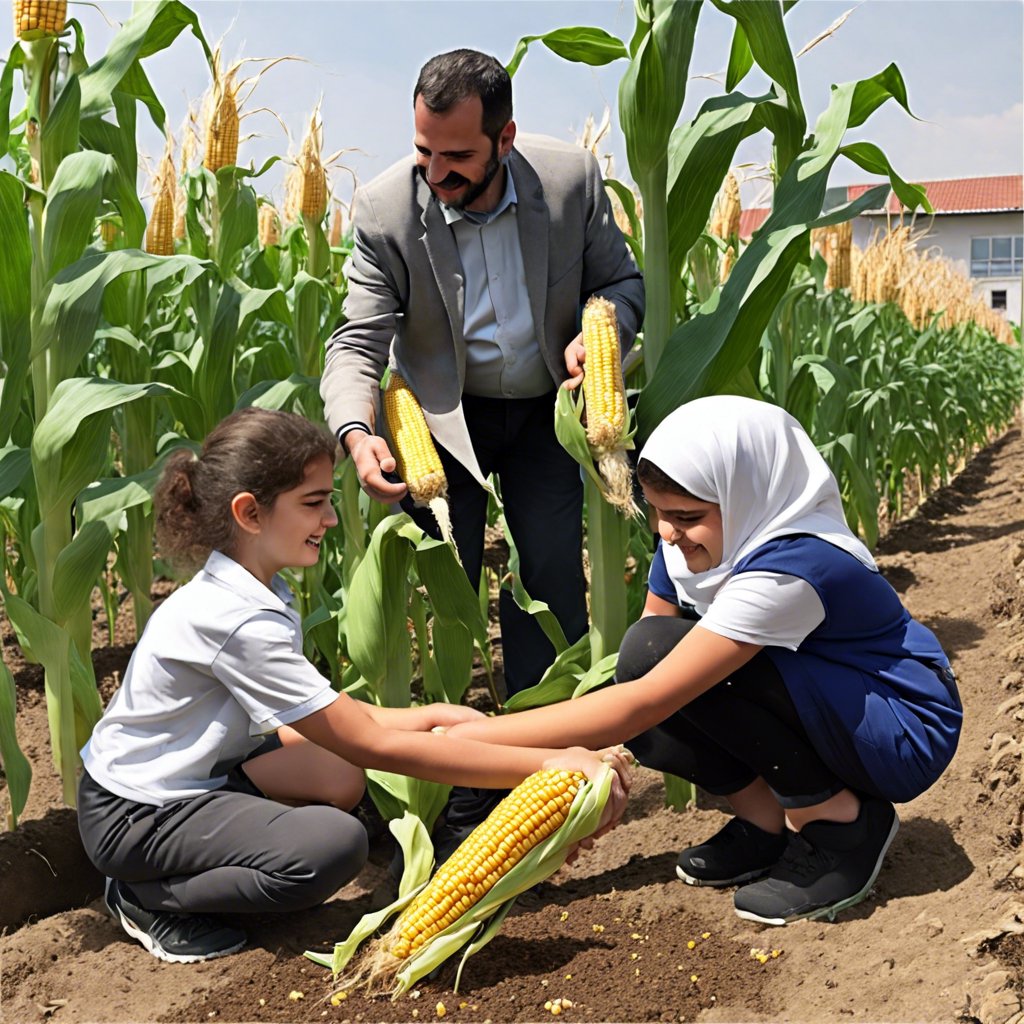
(615,714)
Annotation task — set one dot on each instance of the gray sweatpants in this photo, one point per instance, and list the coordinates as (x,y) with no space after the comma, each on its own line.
(230,851)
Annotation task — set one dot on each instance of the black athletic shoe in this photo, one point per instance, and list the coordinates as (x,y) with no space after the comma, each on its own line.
(736,853)
(827,867)
(176,938)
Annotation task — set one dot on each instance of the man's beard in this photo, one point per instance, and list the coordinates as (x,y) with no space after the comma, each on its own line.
(476,189)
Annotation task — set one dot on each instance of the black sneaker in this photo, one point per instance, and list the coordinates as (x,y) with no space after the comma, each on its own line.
(176,938)
(827,867)
(736,853)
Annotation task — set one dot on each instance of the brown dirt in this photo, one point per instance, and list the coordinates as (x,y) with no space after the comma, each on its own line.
(941,939)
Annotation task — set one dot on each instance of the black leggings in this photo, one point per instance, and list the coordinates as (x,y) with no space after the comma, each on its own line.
(229,851)
(743,728)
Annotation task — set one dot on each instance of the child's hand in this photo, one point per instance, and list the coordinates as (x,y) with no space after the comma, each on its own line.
(442,716)
(590,763)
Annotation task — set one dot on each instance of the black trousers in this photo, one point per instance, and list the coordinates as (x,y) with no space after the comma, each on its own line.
(230,851)
(542,494)
(743,728)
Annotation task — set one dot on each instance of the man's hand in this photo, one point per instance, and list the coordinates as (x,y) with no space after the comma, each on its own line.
(575,356)
(373,459)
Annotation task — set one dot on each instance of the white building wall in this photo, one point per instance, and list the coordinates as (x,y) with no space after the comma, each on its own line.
(951,234)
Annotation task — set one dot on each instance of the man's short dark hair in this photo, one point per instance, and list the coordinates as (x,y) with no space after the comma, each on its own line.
(451,77)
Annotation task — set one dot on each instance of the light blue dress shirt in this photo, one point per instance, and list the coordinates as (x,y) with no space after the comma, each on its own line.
(503,359)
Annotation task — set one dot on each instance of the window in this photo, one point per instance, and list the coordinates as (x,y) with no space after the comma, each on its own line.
(999,298)
(1001,256)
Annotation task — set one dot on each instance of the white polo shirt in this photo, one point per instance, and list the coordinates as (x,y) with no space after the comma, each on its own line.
(218,666)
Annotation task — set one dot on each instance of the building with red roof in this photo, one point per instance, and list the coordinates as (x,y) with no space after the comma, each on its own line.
(977,223)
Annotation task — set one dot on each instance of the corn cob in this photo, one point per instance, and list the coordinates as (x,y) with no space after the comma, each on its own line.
(334,238)
(160,229)
(108,233)
(419,465)
(530,813)
(222,119)
(534,810)
(269,226)
(728,259)
(188,152)
(306,185)
(34,19)
(725,220)
(604,396)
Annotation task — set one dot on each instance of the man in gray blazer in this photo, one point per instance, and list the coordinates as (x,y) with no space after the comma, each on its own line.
(470,267)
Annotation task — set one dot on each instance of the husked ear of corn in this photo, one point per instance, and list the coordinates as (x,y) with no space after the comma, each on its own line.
(419,465)
(34,19)
(604,397)
(534,810)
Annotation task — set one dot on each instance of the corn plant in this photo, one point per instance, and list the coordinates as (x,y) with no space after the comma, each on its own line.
(75,157)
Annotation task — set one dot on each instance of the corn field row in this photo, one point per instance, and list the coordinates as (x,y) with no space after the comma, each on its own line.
(129,329)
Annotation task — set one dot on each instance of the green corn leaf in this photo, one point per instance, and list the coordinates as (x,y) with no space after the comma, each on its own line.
(559,681)
(152,27)
(14,63)
(59,135)
(709,351)
(15,464)
(597,675)
(15,301)
(765,37)
(72,700)
(378,642)
(72,204)
(679,793)
(77,568)
(580,44)
(17,769)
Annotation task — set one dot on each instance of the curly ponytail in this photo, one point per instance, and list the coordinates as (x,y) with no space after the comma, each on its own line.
(262,451)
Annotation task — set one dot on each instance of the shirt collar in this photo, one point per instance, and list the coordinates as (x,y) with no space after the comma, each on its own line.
(229,572)
(479,217)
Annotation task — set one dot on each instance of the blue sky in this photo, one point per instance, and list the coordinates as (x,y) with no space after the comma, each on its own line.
(962,60)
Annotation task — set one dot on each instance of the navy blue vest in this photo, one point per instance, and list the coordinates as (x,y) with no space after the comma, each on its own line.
(872,684)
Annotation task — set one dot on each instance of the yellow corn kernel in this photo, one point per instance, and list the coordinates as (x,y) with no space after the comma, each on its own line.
(554,789)
(603,388)
(419,465)
(34,19)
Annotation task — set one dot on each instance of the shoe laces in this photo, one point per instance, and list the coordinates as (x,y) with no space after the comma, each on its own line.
(803,859)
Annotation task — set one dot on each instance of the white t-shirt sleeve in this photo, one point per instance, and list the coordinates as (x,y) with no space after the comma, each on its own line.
(263,666)
(766,608)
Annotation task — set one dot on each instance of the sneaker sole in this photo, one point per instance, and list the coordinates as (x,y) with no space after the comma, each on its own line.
(719,883)
(154,947)
(834,908)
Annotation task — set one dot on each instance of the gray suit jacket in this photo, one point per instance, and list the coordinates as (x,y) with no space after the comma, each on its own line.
(405,297)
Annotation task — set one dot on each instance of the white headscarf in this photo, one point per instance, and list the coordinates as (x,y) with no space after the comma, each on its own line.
(755,461)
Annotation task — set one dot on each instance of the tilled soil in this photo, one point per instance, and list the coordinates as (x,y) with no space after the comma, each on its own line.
(941,939)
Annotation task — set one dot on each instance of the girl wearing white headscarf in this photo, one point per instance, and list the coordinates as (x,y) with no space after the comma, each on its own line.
(773,666)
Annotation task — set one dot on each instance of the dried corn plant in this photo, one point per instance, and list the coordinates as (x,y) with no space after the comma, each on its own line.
(924,284)
(590,138)
(835,244)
